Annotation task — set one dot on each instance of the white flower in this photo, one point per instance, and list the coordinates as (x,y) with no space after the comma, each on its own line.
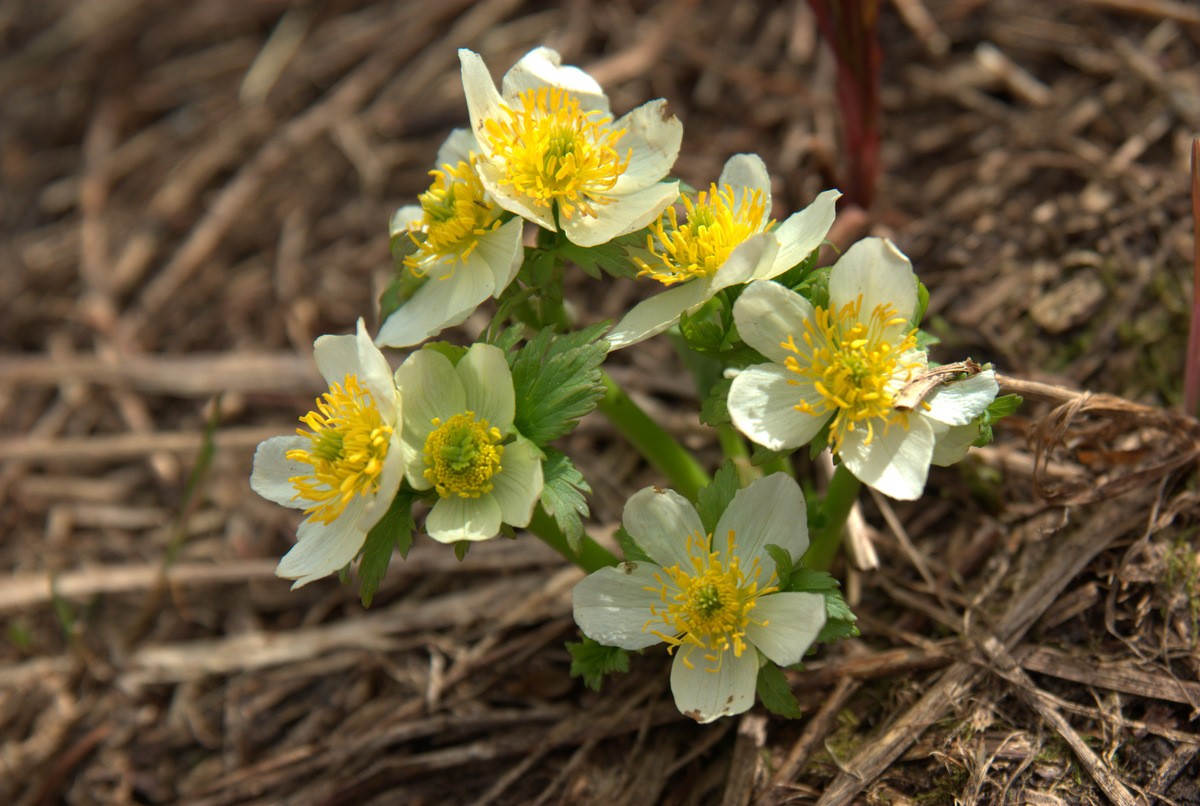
(344,469)
(458,420)
(552,153)
(727,238)
(712,599)
(844,366)
(464,250)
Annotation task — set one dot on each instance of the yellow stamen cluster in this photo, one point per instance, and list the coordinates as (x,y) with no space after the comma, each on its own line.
(553,152)
(714,225)
(455,215)
(348,443)
(857,367)
(462,455)
(709,605)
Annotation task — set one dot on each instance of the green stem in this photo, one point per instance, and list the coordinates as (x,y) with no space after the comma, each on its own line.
(839,500)
(735,450)
(780,464)
(660,449)
(591,556)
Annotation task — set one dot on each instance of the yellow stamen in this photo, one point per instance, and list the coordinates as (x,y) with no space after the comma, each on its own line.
(348,444)
(462,455)
(455,215)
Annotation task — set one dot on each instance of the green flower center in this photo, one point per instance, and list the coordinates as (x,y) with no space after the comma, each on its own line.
(462,455)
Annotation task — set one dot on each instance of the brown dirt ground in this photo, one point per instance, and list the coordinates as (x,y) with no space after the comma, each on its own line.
(190,193)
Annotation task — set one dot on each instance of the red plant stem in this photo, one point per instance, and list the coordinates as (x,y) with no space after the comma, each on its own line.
(1191,375)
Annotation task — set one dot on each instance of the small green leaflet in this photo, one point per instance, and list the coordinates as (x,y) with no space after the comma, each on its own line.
(783,564)
(592,661)
(794,277)
(608,257)
(712,500)
(715,408)
(557,381)
(999,408)
(394,531)
(562,496)
(775,693)
(629,547)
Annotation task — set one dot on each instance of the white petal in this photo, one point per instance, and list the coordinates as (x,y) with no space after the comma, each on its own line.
(453,519)
(746,173)
(483,101)
(457,148)
(542,67)
(953,442)
(762,404)
(770,510)
(502,252)
(703,695)
(375,374)
(613,605)
(803,232)
(896,462)
(324,548)
(389,483)
(272,469)
(766,314)
(438,304)
(877,270)
(490,176)
(793,621)
(488,385)
(430,388)
(336,357)
(746,260)
(519,484)
(663,522)
(654,315)
(961,402)
(408,217)
(622,215)
(653,136)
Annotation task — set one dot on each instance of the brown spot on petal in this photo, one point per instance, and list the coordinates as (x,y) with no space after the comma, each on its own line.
(696,715)
(628,568)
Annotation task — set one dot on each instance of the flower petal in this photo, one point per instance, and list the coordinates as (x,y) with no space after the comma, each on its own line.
(704,695)
(745,261)
(793,622)
(375,374)
(803,232)
(504,195)
(769,510)
(542,67)
(389,482)
(483,101)
(767,314)
(662,522)
(336,357)
(501,251)
(453,519)
(407,218)
(896,462)
(953,442)
(613,605)
(430,388)
(654,315)
(961,402)
(272,469)
(458,148)
(518,485)
(440,303)
(877,270)
(488,384)
(762,402)
(746,173)
(653,136)
(622,215)
(324,548)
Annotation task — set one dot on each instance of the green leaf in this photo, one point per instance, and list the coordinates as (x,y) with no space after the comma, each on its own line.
(795,277)
(712,500)
(557,381)
(593,661)
(760,455)
(562,496)
(783,564)
(996,411)
(775,693)
(629,547)
(452,351)
(711,331)
(922,305)
(611,258)
(507,339)
(393,532)
(840,621)
(715,408)
(461,548)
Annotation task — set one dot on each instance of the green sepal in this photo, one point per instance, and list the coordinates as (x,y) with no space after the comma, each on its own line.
(796,276)
(711,331)
(593,661)
(556,380)
(715,408)
(711,501)
(783,564)
(760,455)
(563,491)
(996,411)
(813,286)
(461,548)
(922,305)
(393,532)
(611,258)
(453,352)
(630,548)
(775,693)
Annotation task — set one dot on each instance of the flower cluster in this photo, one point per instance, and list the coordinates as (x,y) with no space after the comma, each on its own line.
(831,357)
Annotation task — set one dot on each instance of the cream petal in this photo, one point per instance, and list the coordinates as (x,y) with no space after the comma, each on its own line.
(438,304)
(622,215)
(488,384)
(762,402)
(705,695)
(458,148)
(792,622)
(542,67)
(518,486)
(766,314)
(875,269)
(953,442)
(613,605)
(389,483)
(959,403)
(652,138)
(408,217)
(769,510)
(375,374)
(803,232)
(336,357)
(322,548)
(430,388)
(744,263)
(663,522)
(746,173)
(503,253)
(490,176)
(483,101)
(453,519)
(896,463)
(272,469)
(654,315)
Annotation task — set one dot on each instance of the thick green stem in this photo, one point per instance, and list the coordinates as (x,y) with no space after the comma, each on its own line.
(839,500)
(591,556)
(735,450)
(659,448)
